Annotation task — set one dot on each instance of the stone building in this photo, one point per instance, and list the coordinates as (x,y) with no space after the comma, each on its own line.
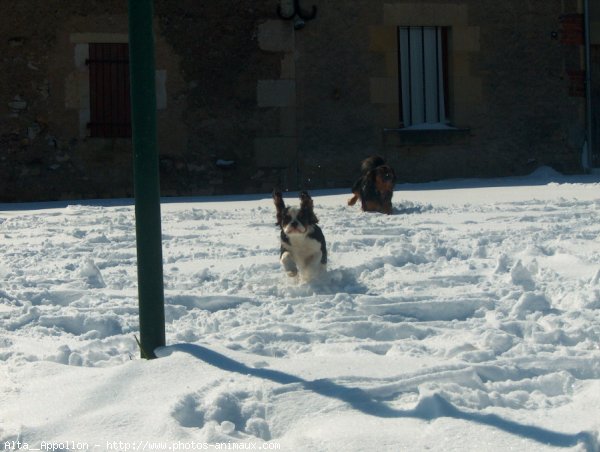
(248,99)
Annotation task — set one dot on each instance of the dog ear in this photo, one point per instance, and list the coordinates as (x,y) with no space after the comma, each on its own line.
(279,205)
(370,163)
(371,176)
(306,206)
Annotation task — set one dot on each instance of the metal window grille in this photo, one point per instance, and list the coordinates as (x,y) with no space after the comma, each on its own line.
(110,110)
(422,57)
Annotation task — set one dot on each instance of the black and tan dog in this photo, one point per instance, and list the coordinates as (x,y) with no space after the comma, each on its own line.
(375,186)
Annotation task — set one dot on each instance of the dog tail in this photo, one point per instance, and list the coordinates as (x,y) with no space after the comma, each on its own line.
(353,200)
(370,163)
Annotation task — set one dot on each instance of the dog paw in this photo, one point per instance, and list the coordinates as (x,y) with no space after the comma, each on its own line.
(292,273)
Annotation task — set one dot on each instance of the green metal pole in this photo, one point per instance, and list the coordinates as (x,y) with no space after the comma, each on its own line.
(146,178)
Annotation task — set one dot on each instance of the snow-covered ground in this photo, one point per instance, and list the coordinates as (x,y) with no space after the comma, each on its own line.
(467,321)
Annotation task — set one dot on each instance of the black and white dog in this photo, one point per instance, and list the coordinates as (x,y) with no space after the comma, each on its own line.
(303,248)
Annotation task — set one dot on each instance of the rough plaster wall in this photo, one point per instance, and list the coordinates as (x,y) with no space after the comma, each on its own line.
(336,120)
(531,120)
(221,64)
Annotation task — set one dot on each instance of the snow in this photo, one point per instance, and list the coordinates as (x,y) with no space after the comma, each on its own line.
(469,320)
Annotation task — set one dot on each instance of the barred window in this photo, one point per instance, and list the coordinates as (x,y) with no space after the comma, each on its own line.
(422,58)
(110,111)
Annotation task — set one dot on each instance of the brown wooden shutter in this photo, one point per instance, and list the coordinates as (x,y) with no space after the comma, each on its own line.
(110,111)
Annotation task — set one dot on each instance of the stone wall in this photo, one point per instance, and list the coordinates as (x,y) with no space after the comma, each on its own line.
(511,97)
(247,101)
(208,63)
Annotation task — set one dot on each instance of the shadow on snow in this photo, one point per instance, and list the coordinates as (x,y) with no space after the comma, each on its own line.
(427,409)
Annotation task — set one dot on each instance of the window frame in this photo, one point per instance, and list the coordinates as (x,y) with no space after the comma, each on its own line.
(406,99)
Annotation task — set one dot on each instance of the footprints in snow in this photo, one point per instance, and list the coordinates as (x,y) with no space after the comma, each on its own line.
(235,413)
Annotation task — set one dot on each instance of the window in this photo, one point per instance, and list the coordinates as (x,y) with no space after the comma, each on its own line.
(423,57)
(110,111)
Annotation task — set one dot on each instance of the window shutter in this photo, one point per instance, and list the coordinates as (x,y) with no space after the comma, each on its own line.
(110,110)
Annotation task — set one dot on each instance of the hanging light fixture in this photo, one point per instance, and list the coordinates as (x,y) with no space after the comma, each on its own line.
(291,10)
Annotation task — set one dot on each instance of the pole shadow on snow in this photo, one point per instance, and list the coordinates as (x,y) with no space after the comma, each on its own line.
(428,409)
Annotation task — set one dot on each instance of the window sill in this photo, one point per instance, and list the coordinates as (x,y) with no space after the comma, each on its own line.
(426,136)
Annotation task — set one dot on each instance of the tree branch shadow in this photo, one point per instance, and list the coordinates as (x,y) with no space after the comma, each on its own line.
(429,408)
